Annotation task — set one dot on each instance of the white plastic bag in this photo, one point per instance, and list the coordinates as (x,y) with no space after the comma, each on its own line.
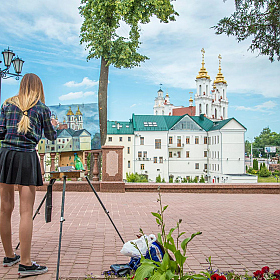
(129,250)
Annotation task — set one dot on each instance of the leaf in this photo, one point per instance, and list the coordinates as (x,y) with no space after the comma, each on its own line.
(143,271)
(157,215)
(164,208)
(156,276)
(182,233)
(187,240)
(180,259)
(159,238)
(170,247)
(165,262)
(169,274)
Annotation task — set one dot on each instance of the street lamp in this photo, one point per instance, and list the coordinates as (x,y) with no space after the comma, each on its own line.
(8,60)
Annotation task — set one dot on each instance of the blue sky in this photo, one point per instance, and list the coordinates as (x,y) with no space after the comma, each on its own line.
(45,34)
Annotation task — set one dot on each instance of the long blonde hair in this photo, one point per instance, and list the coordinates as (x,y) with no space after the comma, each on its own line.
(30,92)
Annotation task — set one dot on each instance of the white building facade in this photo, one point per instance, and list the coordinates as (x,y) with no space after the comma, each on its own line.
(207,144)
(181,147)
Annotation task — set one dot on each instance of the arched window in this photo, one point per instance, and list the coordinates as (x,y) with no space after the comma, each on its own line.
(215,113)
(206,110)
(206,89)
(223,94)
(199,89)
(224,112)
(199,109)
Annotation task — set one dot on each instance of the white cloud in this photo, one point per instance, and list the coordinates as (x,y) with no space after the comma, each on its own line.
(86,82)
(56,20)
(264,107)
(89,93)
(11,81)
(76,95)
(175,58)
(133,105)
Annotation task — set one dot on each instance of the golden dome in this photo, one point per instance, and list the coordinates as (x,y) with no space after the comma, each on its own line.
(203,73)
(69,113)
(220,77)
(78,112)
(191,99)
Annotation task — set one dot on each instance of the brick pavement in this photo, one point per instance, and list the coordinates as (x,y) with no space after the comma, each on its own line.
(240,231)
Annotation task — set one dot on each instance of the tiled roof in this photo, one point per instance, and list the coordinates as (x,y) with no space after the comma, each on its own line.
(219,124)
(203,122)
(153,122)
(114,127)
(79,132)
(161,123)
(183,111)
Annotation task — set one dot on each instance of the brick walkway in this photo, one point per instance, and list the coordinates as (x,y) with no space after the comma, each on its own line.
(240,231)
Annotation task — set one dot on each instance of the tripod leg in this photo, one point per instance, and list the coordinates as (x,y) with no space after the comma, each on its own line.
(48,208)
(36,212)
(106,211)
(61,223)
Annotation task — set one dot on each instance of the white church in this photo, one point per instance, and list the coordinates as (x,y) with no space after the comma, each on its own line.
(179,142)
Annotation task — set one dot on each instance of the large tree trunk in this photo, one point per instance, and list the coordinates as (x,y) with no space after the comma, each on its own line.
(102,99)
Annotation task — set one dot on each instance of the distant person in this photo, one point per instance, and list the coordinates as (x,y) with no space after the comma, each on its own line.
(23,119)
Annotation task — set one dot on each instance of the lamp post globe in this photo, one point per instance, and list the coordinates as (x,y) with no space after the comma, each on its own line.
(8,59)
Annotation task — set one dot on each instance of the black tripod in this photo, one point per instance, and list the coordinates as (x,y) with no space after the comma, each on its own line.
(48,208)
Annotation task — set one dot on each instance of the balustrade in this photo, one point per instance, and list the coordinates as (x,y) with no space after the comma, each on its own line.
(85,156)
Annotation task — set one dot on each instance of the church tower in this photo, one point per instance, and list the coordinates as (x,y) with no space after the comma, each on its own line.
(220,105)
(159,103)
(70,119)
(79,118)
(203,99)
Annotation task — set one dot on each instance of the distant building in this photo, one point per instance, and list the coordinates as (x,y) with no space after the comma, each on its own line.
(211,102)
(71,136)
(185,142)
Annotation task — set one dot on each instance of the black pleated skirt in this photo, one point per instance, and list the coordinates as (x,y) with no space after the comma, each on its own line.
(20,168)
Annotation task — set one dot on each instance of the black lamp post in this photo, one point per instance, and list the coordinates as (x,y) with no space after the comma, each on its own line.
(8,60)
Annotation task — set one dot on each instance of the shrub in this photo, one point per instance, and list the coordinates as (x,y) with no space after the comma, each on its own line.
(201,180)
(158,179)
(250,170)
(135,177)
(184,180)
(255,164)
(276,173)
(264,172)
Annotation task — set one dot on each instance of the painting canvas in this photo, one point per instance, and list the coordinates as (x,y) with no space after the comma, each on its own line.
(78,129)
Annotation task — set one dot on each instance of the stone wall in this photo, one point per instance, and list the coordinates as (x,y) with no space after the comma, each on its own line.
(82,186)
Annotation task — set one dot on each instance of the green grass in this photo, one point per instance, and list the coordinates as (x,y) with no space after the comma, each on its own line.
(270,179)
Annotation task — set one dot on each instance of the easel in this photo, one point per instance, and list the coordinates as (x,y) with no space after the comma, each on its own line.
(48,207)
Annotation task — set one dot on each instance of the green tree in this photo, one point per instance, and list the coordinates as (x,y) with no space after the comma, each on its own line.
(255,164)
(135,177)
(264,172)
(158,179)
(99,34)
(247,147)
(266,138)
(201,180)
(258,20)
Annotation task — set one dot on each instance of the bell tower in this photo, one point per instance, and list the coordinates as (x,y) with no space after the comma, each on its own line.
(203,96)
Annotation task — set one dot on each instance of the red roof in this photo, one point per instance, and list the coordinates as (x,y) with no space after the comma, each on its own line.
(183,111)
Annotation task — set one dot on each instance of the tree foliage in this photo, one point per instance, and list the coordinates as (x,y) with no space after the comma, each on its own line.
(255,164)
(99,33)
(256,19)
(266,138)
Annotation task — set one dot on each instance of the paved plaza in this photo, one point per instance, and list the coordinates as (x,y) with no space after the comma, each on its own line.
(239,231)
